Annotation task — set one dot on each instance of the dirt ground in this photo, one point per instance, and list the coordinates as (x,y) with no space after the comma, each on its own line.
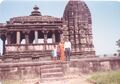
(70,79)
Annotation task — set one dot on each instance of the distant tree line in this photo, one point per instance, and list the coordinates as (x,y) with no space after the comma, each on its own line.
(118,44)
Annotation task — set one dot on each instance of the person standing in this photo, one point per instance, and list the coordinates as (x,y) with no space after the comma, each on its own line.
(58,52)
(54,53)
(61,47)
(67,46)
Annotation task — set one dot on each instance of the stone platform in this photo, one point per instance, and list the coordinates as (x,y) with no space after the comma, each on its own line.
(46,70)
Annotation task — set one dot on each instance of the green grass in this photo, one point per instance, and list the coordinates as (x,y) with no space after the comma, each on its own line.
(11,82)
(111,77)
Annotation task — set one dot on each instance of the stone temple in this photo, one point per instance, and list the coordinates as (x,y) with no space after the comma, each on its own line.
(28,41)
(37,33)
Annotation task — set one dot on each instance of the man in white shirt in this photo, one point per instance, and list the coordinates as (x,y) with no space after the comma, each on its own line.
(67,47)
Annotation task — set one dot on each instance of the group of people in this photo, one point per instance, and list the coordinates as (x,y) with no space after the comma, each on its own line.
(62,51)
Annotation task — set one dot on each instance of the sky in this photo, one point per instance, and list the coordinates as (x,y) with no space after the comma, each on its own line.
(105,18)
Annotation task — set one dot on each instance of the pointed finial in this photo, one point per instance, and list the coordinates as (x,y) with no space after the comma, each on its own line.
(35,12)
(36,7)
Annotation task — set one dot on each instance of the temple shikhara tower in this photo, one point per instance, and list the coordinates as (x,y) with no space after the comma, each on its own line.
(33,37)
(78,28)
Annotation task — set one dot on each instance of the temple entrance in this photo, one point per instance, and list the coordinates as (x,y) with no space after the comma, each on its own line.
(40,37)
(57,34)
(49,37)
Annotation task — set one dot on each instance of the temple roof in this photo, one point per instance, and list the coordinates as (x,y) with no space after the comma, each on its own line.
(34,17)
(2,24)
(30,19)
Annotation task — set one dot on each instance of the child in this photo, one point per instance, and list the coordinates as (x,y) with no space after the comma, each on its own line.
(54,53)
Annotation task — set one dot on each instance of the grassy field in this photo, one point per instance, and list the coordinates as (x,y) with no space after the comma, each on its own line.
(111,77)
(11,82)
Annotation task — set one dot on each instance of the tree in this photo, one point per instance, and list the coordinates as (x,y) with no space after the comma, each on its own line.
(118,44)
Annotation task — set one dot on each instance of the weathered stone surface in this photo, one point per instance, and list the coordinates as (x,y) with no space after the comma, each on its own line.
(87,65)
(47,69)
(77,16)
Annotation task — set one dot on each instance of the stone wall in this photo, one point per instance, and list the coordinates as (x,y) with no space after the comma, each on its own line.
(23,70)
(88,65)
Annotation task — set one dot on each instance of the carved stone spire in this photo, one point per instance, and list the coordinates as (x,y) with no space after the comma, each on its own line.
(77,16)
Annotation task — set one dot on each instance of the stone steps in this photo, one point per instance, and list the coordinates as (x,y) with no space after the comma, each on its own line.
(48,66)
(52,71)
(52,74)
(53,79)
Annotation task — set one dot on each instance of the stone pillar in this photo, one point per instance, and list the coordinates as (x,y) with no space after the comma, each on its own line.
(27,38)
(53,37)
(3,38)
(36,37)
(8,38)
(61,36)
(18,37)
(4,46)
(45,35)
(45,38)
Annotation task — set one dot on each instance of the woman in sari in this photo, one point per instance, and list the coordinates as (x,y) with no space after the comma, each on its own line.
(61,46)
